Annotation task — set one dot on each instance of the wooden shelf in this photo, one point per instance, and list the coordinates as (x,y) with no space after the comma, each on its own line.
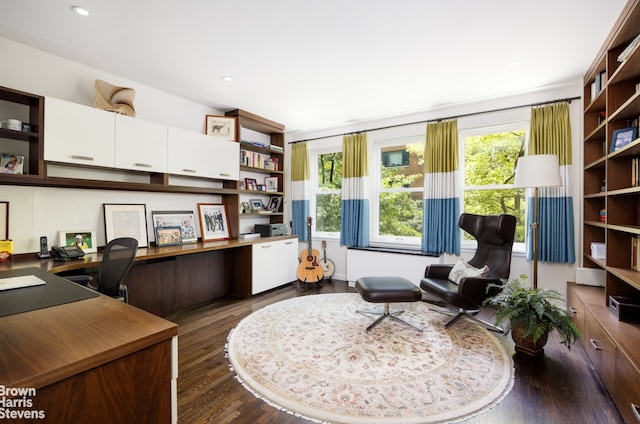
(260,170)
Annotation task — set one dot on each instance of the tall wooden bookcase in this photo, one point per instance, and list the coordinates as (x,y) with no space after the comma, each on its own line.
(612,212)
(612,102)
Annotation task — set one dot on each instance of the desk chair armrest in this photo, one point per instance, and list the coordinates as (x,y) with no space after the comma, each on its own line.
(83,280)
(438,271)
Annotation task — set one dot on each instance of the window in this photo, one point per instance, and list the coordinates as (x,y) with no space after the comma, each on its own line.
(489,163)
(326,201)
(397,198)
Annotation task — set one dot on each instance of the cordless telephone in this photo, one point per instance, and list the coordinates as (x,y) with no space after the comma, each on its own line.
(44,249)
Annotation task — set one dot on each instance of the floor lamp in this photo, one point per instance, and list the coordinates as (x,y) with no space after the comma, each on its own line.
(535,171)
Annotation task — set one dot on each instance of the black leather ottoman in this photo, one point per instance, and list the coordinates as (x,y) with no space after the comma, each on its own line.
(387,290)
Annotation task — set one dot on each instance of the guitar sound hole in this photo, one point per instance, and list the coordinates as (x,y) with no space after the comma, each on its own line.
(309,258)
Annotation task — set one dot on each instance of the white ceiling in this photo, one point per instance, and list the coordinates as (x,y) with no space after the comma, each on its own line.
(318,64)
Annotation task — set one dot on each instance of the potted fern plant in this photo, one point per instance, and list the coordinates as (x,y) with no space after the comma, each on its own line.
(530,315)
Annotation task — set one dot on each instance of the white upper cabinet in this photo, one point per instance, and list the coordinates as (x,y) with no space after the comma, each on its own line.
(140,145)
(78,134)
(199,155)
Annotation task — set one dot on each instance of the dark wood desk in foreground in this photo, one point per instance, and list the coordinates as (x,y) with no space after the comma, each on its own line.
(167,279)
(94,360)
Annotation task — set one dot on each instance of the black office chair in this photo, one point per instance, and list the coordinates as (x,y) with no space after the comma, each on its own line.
(495,234)
(117,258)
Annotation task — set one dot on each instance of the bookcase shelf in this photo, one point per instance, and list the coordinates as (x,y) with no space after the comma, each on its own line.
(274,149)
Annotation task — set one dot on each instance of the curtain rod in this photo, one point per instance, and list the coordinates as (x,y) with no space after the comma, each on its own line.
(568,99)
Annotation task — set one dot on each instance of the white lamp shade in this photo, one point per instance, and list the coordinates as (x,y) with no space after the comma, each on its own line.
(538,171)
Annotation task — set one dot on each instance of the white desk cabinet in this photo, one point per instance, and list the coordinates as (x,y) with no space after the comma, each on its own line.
(140,145)
(199,155)
(274,263)
(78,134)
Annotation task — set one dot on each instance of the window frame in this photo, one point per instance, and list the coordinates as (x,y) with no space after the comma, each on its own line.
(376,146)
(517,125)
(314,153)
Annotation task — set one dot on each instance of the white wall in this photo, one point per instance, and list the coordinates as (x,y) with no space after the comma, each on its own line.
(550,275)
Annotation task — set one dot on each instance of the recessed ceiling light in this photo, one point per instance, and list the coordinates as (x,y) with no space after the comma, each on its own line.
(80,10)
(227,78)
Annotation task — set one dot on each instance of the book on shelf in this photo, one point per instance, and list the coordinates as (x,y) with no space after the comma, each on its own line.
(275,148)
(252,159)
(629,49)
(598,84)
(635,253)
(254,143)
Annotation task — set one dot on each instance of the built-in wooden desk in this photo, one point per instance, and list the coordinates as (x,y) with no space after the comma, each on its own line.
(167,279)
(95,360)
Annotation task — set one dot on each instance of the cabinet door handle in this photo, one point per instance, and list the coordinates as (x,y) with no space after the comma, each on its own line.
(80,157)
(573,310)
(193,171)
(636,410)
(142,165)
(594,345)
(288,242)
(224,174)
(266,246)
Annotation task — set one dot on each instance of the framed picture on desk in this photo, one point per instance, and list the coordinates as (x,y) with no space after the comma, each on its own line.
(123,220)
(85,240)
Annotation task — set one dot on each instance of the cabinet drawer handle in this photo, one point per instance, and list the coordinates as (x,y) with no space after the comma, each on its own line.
(224,174)
(636,410)
(142,165)
(193,171)
(288,242)
(80,157)
(266,246)
(573,310)
(594,345)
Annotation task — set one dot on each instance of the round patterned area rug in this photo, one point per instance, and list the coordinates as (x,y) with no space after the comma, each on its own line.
(311,356)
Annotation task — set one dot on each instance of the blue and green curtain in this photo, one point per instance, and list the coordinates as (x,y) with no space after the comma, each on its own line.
(551,134)
(441,207)
(300,189)
(355,191)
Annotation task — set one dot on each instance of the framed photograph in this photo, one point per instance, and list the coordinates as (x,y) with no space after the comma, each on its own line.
(214,224)
(126,220)
(622,137)
(256,204)
(274,203)
(168,236)
(85,240)
(271,183)
(250,184)
(262,187)
(221,126)
(11,163)
(245,207)
(183,219)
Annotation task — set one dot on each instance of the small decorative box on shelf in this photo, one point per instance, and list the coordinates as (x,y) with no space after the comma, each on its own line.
(626,309)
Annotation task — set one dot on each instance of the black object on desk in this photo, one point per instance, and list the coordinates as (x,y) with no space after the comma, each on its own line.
(55,291)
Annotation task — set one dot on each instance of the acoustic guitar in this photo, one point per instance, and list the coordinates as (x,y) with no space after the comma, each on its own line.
(309,270)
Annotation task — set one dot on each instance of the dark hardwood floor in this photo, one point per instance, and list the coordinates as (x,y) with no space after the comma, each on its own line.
(559,387)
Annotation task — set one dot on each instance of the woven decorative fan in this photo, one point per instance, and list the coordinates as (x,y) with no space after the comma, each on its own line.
(114,99)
